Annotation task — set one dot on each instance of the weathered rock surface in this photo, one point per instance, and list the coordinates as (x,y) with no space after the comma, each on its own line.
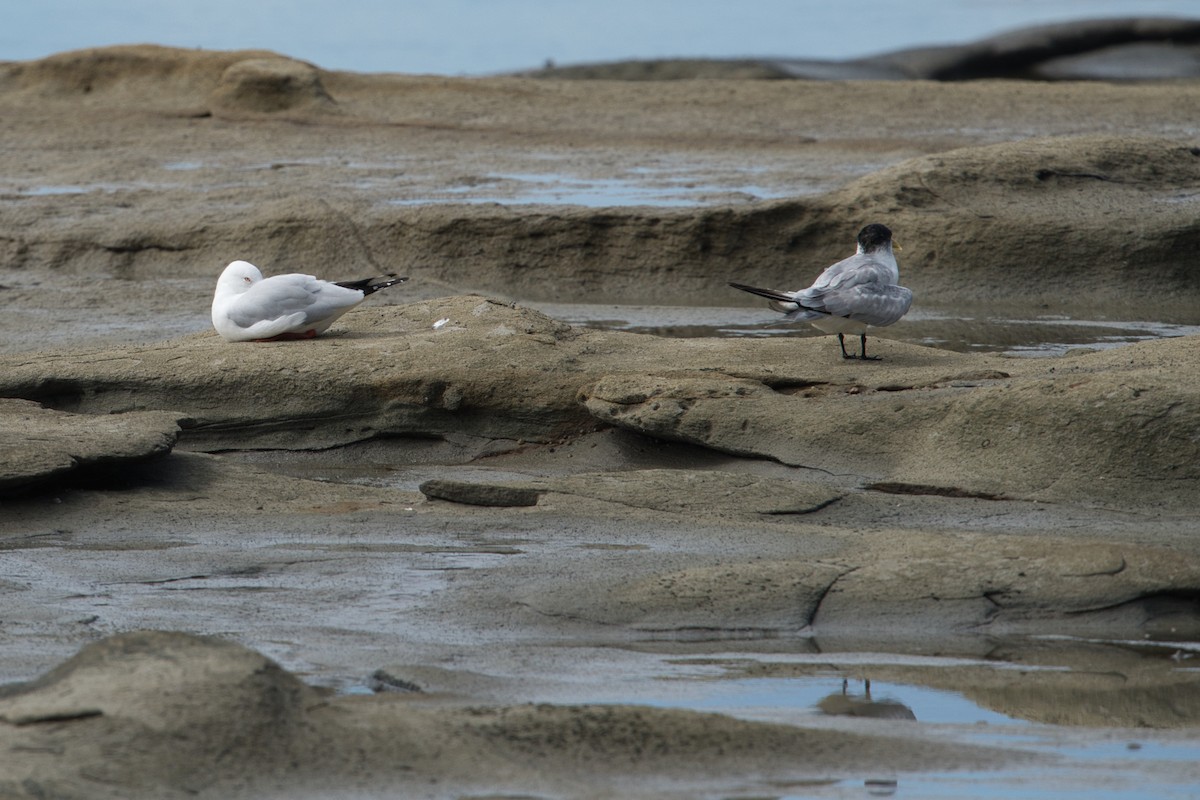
(1114,427)
(672,550)
(1093,427)
(482,494)
(674,490)
(1016,585)
(1024,173)
(996,584)
(492,371)
(984,224)
(778,596)
(1114,204)
(979,224)
(42,445)
(144,713)
(152,714)
(257,87)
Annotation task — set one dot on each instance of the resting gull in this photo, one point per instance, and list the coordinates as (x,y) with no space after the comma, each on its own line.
(848,296)
(248,307)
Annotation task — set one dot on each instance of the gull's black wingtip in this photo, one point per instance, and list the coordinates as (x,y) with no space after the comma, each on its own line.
(391,281)
(369,285)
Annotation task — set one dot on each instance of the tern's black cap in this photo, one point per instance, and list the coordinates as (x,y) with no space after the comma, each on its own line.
(873,237)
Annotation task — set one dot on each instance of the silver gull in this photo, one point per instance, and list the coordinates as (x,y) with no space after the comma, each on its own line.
(248,307)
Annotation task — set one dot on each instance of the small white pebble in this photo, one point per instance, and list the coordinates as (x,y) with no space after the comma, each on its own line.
(440,322)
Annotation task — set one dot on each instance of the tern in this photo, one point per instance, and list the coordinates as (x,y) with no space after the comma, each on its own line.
(849,296)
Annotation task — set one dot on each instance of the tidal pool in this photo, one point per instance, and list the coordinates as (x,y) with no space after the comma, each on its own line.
(980,700)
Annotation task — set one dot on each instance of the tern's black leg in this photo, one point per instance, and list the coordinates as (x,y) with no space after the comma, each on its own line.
(863,351)
(842,343)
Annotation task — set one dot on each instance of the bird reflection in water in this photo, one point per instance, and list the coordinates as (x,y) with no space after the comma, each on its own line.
(844,704)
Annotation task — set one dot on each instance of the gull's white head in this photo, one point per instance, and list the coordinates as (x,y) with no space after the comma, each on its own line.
(237,278)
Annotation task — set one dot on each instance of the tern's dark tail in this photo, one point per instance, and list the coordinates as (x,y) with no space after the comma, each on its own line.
(368,285)
(770,294)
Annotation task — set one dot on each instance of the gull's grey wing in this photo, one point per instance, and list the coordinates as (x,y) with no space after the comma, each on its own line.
(273,298)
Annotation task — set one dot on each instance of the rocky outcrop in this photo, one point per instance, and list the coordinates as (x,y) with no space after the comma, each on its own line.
(671,490)
(1092,217)
(239,83)
(43,446)
(1091,428)
(492,370)
(256,87)
(961,583)
(148,713)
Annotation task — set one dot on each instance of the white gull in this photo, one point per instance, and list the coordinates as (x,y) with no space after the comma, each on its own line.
(248,307)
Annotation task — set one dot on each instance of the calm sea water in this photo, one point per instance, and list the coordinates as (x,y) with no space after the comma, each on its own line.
(475,37)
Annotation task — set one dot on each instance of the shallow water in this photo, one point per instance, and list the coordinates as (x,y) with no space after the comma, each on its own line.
(959,329)
(1078,762)
(680,186)
(582,179)
(1124,777)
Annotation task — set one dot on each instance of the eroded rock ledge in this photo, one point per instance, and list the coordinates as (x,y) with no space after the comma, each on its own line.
(1012,184)
(42,446)
(1114,428)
